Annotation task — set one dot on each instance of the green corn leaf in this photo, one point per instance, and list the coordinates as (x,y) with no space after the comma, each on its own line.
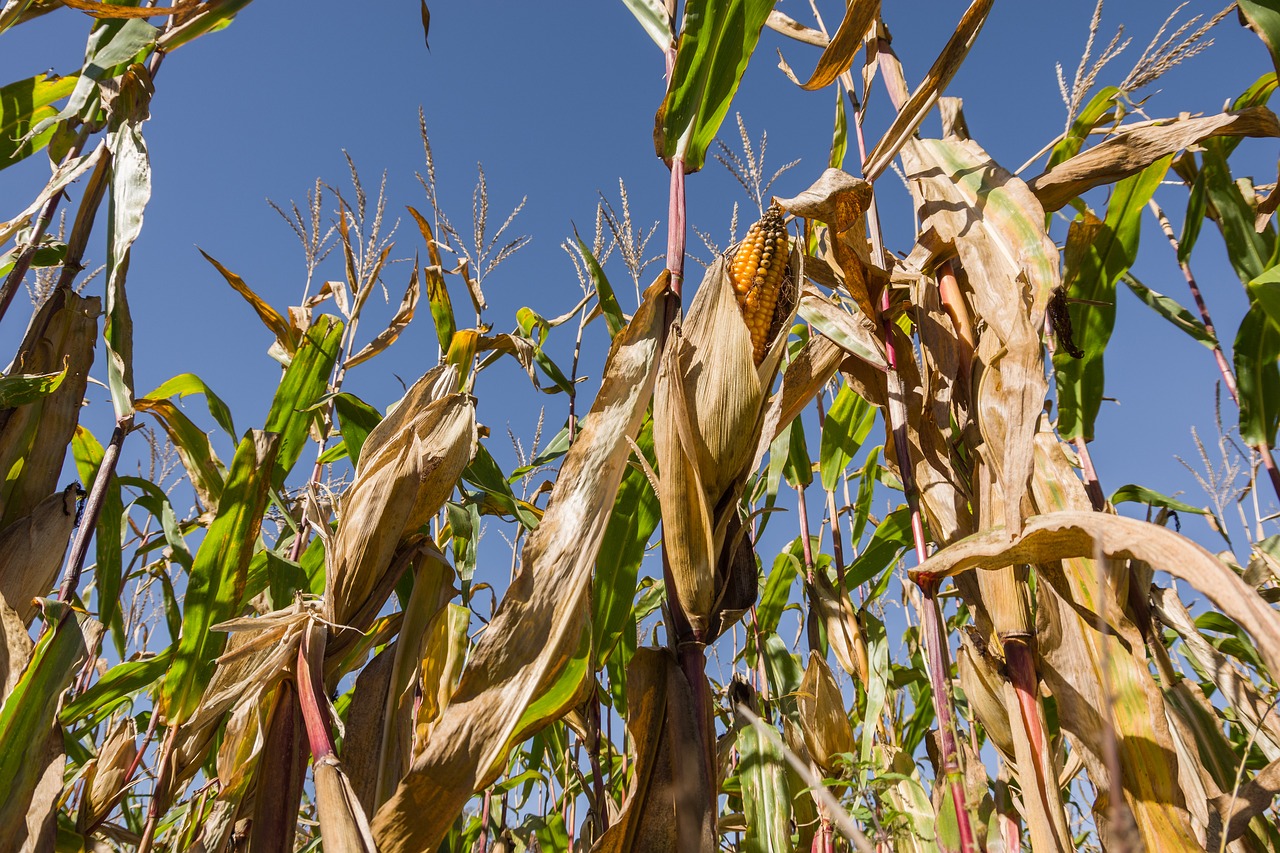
(844,429)
(193,448)
(1264,19)
(1255,352)
(188,383)
(715,44)
(19,390)
(28,716)
(25,104)
(1170,310)
(1097,254)
(216,585)
(777,588)
(108,536)
(356,419)
(652,15)
(604,291)
(303,384)
(766,798)
(635,516)
(115,688)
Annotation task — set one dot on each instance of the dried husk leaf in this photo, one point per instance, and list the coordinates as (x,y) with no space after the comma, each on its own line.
(823,721)
(366,727)
(984,688)
(408,467)
(838,53)
(537,631)
(1070,534)
(1131,151)
(282,770)
(105,781)
(34,437)
(840,200)
(844,634)
(662,723)
(1011,266)
(708,412)
(425,610)
(32,548)
(15,648)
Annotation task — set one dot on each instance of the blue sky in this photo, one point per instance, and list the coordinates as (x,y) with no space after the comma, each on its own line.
(557,101)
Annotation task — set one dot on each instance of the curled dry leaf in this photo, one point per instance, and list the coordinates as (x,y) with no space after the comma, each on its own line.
(1073,534)
(838,53)
(708,413)
(532,650)
(840,200)
(1131,151)
(408,467)
(32,548)
(823,721)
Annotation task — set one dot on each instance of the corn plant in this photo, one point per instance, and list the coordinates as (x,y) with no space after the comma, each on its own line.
(302,659)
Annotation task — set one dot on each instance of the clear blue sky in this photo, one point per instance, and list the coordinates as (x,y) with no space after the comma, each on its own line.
(557,101)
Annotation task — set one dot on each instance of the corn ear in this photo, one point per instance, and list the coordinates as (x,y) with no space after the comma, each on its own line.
(760,279)
(823,721)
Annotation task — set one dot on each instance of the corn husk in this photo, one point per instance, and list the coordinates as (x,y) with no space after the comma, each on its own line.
(105,779)
(408,467)
(823,721)
(32,549)
(708,413)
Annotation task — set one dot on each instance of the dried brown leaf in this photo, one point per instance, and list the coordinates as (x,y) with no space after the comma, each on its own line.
(837,55)
(32,548)
(1132,151)
(539,624)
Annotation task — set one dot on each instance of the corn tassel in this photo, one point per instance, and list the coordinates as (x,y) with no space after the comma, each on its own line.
(758,273)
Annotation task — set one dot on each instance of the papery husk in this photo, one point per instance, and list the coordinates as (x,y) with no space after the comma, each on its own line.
(983,686)
(823,721)
(34,437)
(840,200)
(409,466)
(844,634)
(32,549)
(532,651)
(104,782)
(708,413)
(658,816)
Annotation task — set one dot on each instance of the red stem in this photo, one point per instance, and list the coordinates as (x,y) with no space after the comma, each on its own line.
(1091,485)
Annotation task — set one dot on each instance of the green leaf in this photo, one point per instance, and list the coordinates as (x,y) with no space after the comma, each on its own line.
(218,575)
(766,798)
(777,588)
(155,501)
(114,689)
(356,419)
(188,383)
(304,382)
(890,539)
(1133,493)
(1097,254)
(28,717)
(108,536)
(19,389)
(193,447)
(1264,19)
(1197,206)
(485,475)
(840,134)
(437,291)
(1255,352)
(866,490)
(718,39)
(783,671)
(631,524)
(844,429)
(210,17)
(1170,310)
(1247,250)
(25,104)
(613,317)
(1093,112)
(652,15)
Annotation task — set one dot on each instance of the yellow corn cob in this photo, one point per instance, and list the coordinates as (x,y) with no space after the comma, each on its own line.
(757,272)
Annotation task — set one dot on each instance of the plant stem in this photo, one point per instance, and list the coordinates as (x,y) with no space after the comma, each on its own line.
(158,792)
(92,510)
(1091,485)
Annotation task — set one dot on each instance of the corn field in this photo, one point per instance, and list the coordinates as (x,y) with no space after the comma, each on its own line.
(962,644)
